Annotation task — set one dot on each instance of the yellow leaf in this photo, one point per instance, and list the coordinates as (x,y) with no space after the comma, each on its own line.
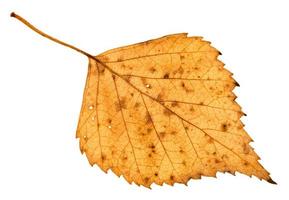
(163,111)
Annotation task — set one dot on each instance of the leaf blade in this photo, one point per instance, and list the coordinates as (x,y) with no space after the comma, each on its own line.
(184,108)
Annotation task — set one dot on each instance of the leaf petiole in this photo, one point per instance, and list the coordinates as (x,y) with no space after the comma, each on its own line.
(24,21)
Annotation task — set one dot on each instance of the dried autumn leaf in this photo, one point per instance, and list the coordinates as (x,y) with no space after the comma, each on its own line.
(163,111)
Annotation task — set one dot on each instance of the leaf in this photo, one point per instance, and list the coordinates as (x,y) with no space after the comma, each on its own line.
(163,111)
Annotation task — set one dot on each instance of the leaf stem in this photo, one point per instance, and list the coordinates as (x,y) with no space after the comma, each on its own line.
(24,21)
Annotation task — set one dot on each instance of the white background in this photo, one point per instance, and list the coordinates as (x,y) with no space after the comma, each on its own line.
(41,85)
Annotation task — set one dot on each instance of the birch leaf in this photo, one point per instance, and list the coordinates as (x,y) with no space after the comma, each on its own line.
(163,111)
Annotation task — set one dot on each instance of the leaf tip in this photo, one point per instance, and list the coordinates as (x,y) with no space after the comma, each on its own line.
(270,180)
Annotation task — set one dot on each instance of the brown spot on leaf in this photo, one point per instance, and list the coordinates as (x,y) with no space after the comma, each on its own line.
(181,70)
(152,69)
(152,146)
(149,130)
(137,104)
(148,118)
(173,132)
(224,127)
(246,163)
(124,158)
(146,179)
(192,109)
(174,104)
(162,134)
(103,157)
(166,76)
(101,69)
(246,148)
(121,104)
(167,112)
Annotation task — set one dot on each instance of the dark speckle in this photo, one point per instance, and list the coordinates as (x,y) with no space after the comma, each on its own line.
(121,104)
(173,132)
(172,177)
(101,69)
(103,157)
(156,174)
(167,112)
(142,133)
(152,69)
(119,59)
(166,76)
(246,148)
(149,130)
(174,104)
(181,70)
(192,109)
(148,118)
(224,127)
(137,104)
(146,179)
(210,140)
(162,134)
